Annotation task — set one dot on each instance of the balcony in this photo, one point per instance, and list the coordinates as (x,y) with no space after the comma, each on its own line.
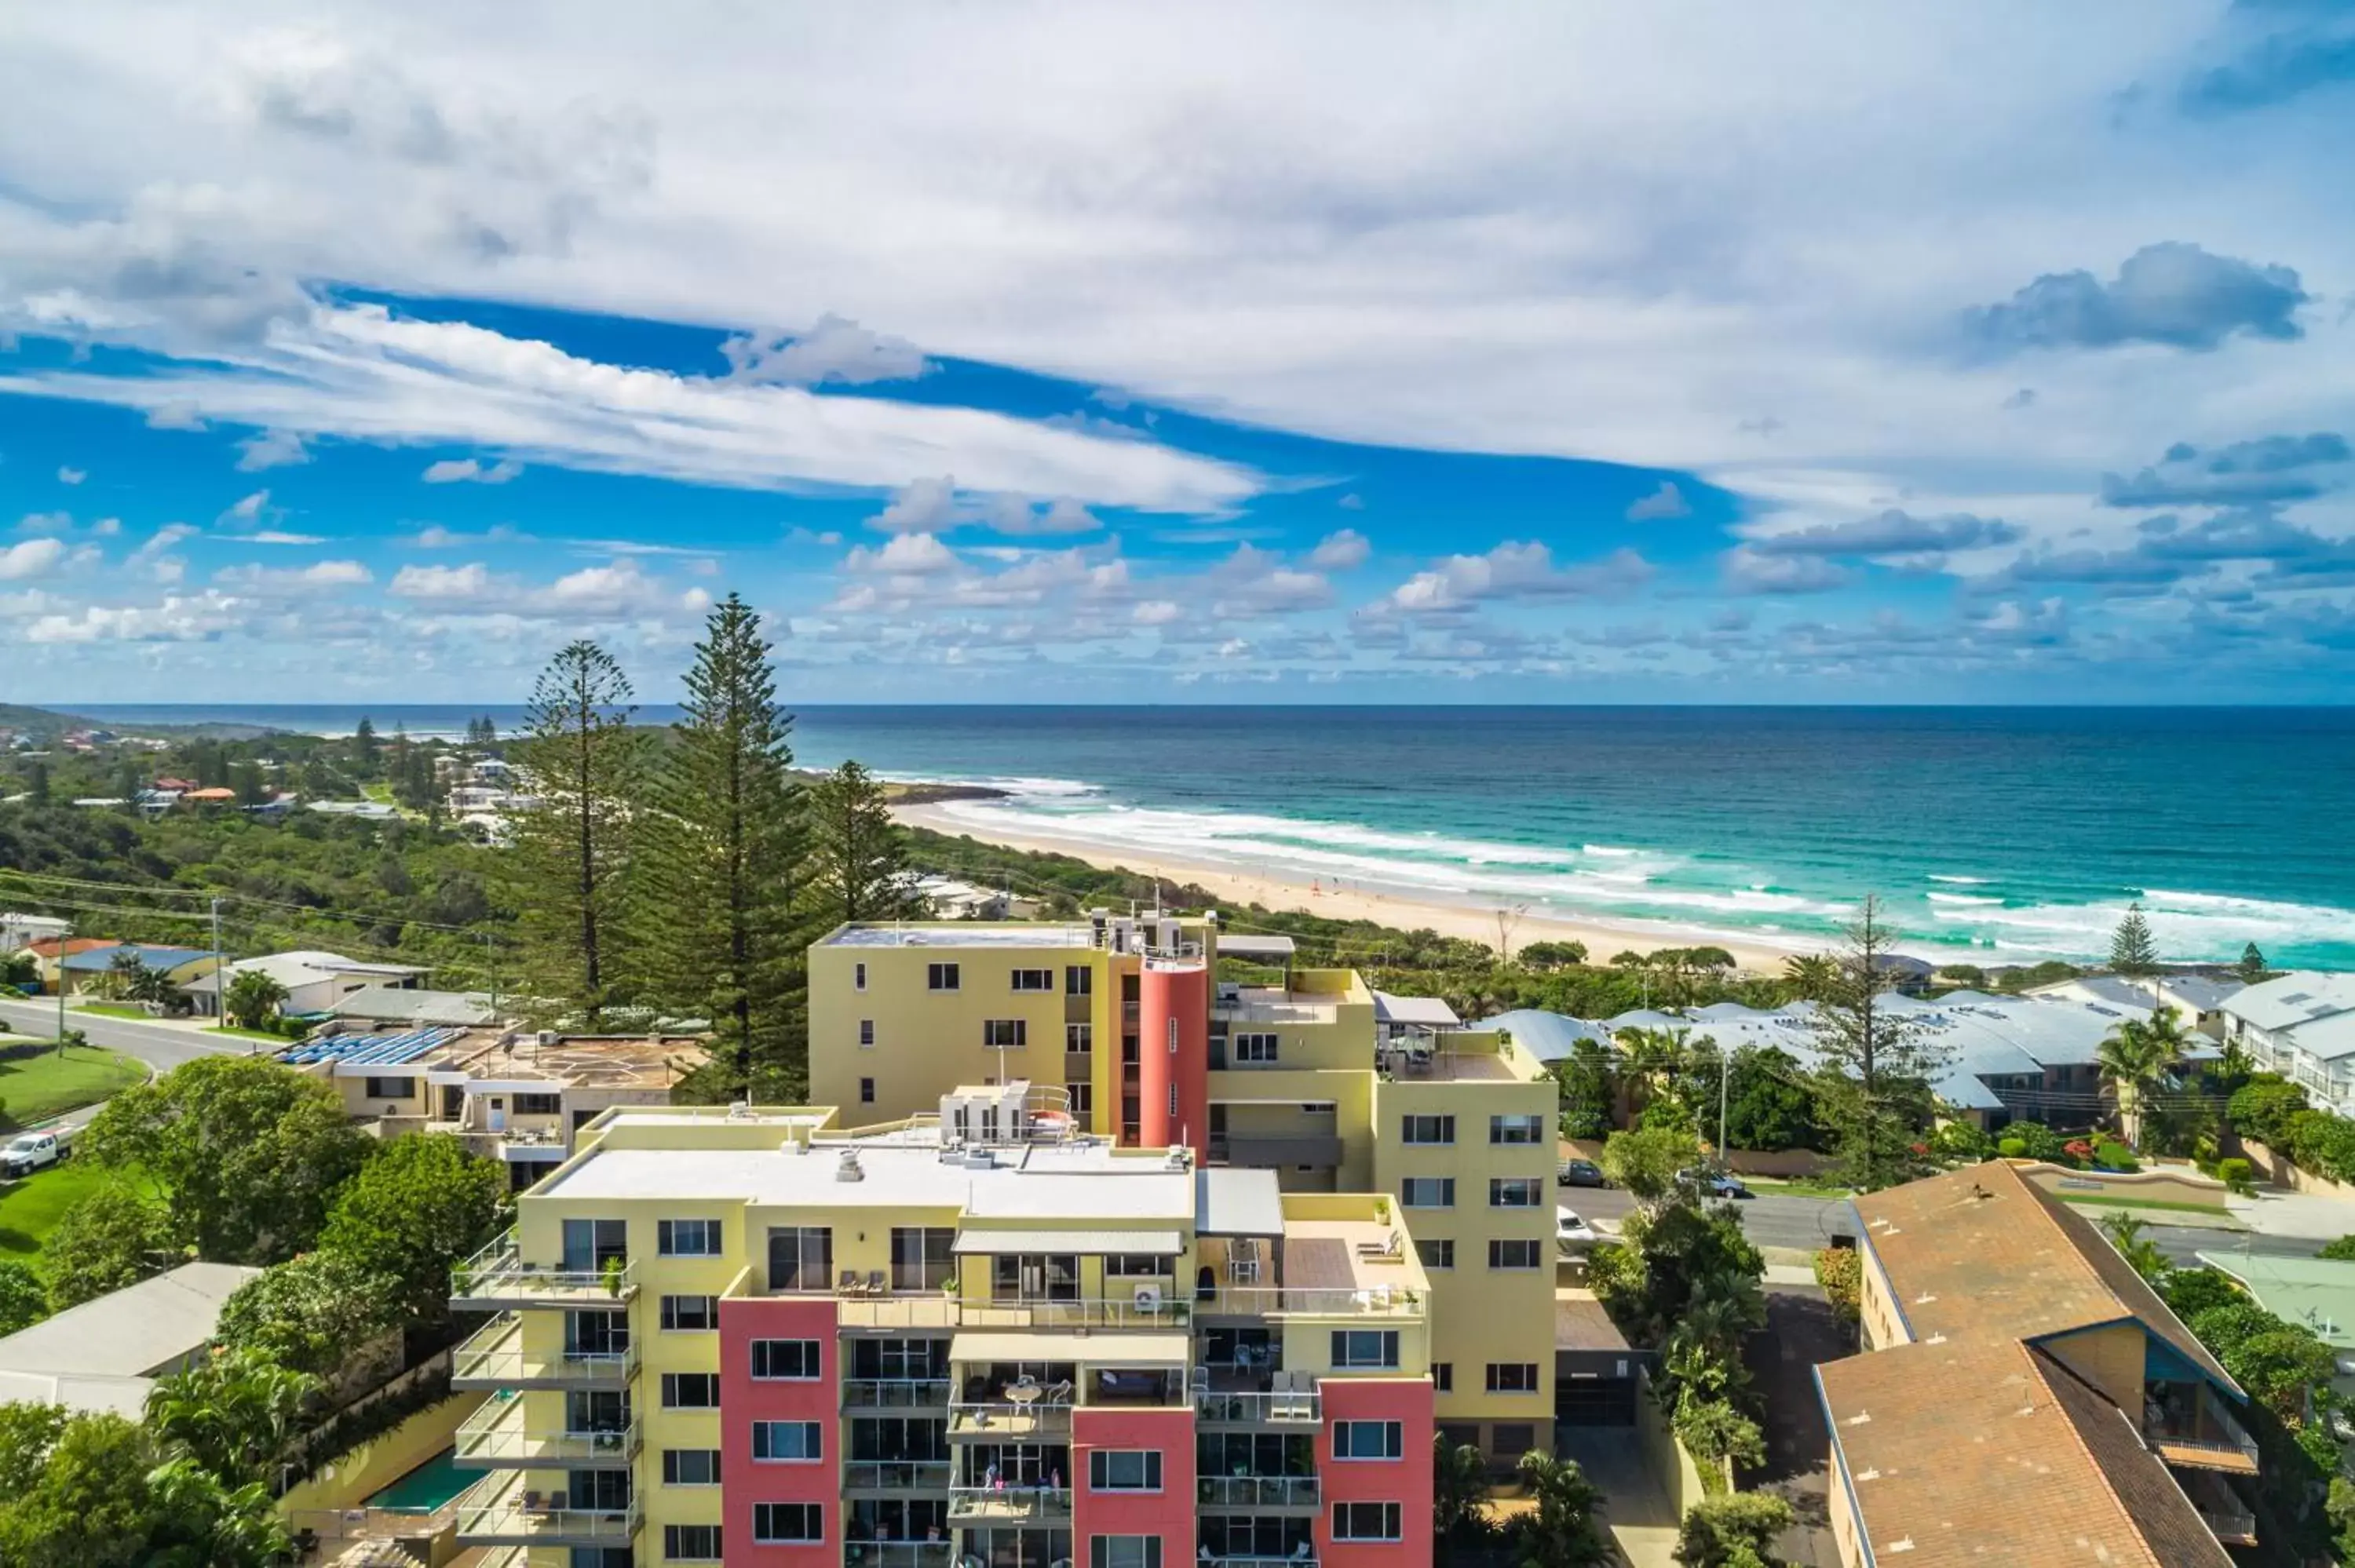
(931,1310)
(1006,1422)
(500,1510)
(2196,1430)
(1402,1302)
(497,1278)
(2232,1526)
(1260,1491)
(898,1554)
(895,1476)
(895,1394)
(1009,1504)
(494,1357)
(1208,1561)
(498,1434)
(1304,1407)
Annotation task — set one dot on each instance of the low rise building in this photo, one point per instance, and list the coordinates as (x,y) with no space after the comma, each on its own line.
(2316,1293)
(2024,1397)
(518,1096)
(315,982)
(107,1353)
(975,1335)
(2301,1025)
(18,932)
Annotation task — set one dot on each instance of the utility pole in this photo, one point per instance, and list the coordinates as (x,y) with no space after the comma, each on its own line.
(220,980)
(1724,1077)
(492,947)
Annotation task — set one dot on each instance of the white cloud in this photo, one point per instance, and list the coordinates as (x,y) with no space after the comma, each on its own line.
(71,475)
(1352,503)
(442,585)
(1748,569)
(174,414)
(1062,516)
(911,553)
(246,511)
(294,582)
(1518,569)
(834,350)
(1157,612)
(618,591)
(177,619)
(1340,551)
(920,506)
(464,471)
(434,537)
(280,537)
(271,448)
(1666,502)
(32,558)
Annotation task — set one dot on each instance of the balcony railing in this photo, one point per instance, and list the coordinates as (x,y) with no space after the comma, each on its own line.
(931,1310)
(498,1276)
(502,1512)
(2233,1527)
(1261,1409)
(898,1554)
(895,1476)
(499,1433)
(1260,1491)
(1280,1301)
(895,1392)
(494,1357)
(1006,1421)
(1206,1560)
(1008,1504)
(2209,1439)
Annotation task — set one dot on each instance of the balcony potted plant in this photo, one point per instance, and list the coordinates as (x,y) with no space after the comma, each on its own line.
(613,1277)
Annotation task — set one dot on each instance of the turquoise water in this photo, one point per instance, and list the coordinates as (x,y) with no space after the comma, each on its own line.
(426,1487)
(2016,832)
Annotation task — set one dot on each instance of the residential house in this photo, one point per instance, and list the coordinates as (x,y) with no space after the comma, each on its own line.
(365,1009)
(315,982)
(2023,1397)
(512,1095)
(950,899)
(2301,1025)
(18,932)
(89,968)
(2317,1292)
(2198,999)
(105,1355)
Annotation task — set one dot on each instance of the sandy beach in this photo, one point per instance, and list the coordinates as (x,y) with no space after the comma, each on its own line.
(1352,901)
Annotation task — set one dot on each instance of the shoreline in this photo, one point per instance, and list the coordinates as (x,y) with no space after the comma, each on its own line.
(1344,900)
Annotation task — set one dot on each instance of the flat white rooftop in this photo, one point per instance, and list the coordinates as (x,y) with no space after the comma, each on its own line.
(979,934)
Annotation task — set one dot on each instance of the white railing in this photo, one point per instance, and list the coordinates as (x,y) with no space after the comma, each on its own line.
(1261,1409)
(921,1310)
(894,1392)
(1011,1501)
(1006,1418)
(895,1474)
(498,1272)
(498,1434)
(495,1354)
(1280,1301)
(1260,1491)
(500,1510)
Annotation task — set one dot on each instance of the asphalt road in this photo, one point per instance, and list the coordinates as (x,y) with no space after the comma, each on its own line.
(1780,1219)
(159,1046)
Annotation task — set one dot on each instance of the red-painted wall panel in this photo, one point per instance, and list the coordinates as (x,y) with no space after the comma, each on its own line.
(742,1401)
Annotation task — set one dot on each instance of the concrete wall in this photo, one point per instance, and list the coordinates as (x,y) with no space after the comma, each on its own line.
(1769,1162)
(350,1479)
(2276,1167)
(1678,1472)
(2176,1185)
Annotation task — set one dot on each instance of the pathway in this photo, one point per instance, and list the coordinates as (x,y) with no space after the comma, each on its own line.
(1640,1516)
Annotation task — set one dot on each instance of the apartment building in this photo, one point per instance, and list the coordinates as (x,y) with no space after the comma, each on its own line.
(510,1095)
(2024,1396)
(2301,1025)
(976,1335)
(1311,1076)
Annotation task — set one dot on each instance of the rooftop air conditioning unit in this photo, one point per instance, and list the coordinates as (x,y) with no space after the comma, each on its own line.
(1149,1299)
(739,1110)
(546,1038)
(847,1168)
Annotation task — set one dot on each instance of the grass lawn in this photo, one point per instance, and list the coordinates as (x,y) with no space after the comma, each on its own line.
(36,1083)
(249,1034)
(2105,1203)
(31,1208)
(1797,1187)
(113,1009)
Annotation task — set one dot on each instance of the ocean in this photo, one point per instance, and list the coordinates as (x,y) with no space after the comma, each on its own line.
(2015,833)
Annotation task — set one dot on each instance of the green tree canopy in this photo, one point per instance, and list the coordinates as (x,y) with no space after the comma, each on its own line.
(1589,1090)
(112,1237)
(1562,1531)
(1718,1530)
(1646,1162)
(248,1152)
(309,1313)
(419,1206)
(253,998)
(2132,952)
(234,1412)
(2251,968)
(1873,1086)
(858,855)
(23,1300)
(100,1492)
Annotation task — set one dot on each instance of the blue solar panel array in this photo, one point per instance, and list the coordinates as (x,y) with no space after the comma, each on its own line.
(374,1050)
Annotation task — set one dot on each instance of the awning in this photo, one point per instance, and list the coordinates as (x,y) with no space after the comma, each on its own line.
(1094,1243)
(1232,1201)
(1246,945)
(1098,1349)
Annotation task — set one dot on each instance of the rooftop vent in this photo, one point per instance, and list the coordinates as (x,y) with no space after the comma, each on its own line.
(739,1110)
(847,1168)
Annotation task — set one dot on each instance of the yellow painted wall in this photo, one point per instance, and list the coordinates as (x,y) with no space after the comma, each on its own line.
(350,1479)
(2110,1358)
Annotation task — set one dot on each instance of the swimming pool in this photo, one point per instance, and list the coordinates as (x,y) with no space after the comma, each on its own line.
(426,1487)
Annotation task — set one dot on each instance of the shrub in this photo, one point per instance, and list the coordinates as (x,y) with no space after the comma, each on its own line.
(2342,1250)
(1840,1271)
(2012,1148)
(1713,1432)
(2261,1109)
(1726,1531)
(2036,1140)
(2239,1176)
(2113,1156)
(2189,1292)
(1961,1140)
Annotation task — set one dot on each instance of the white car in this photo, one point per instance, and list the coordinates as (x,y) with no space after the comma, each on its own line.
(29,1152)
(1571,1236)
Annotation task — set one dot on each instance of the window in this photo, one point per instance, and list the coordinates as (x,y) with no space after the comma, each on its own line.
(1136,1265)
(1125,1470)
(1367,1440)
(539,1105)
(690,1391)
(687,1238)
(1365,1348)
(940,977)
(1258,1048)
(1427,1192)
(858,977)
(1123,1552)
(392,1088)
(686,1313)
(1436,1253)
(1173,1101)
(1512,1377)
(1427,1129)
(788,1442)
(1517,1129)
(1004,1034)
(866,1033)
(1442,1377)
(1512,1254)
(1079,980)
(1083,1101)
(923,1258)
(690,1467)
(775,1522)
(1079,1038)
(1366,1521)
(1513,1438)
(690,1543)
(1515,1192)
(867,1091)
(1034,980)
(801,1257)
(796,1361)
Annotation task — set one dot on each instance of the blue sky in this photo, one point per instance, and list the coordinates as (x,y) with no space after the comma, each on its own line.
(1537,354)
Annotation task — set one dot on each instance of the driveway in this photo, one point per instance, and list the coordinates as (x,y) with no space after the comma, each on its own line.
(1801,1331)
(1636,1510)
(161,1046)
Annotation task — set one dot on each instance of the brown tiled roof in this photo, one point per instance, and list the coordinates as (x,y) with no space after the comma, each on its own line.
(1981,1453)
(1984,1253)
(1580,1323)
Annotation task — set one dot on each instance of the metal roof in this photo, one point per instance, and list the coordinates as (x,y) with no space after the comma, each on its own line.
(2318,1292)
(1430,1012)
(1094,1243)
(153,955)
(1230,1201)
(130,1333)
(1252,945)
(1547,1036)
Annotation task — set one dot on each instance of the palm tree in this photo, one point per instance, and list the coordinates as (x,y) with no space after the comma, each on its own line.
(214,1525)
(234,1413)
(1811,976)
(1459,1488)
(2138,1056)
(2143,1256)
(1562,1532)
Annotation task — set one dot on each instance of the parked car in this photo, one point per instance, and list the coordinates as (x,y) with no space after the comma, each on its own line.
(1713,1183)
(29,1152)
(1581,1173)
(1571,1236)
